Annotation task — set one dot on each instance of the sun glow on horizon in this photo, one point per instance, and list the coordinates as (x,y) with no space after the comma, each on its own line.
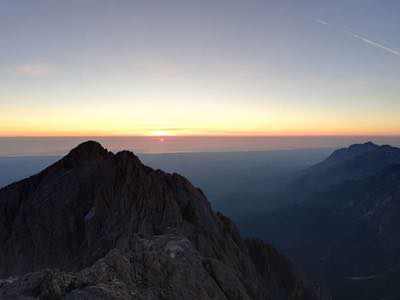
(245,71)
(161,133)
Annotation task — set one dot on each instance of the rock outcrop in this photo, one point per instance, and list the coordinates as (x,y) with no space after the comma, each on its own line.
(98,225)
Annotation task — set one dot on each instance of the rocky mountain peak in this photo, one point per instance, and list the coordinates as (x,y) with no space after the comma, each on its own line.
(102,225)
(352,163)
(88,151)
(353,151)
(127,156)
(367,146)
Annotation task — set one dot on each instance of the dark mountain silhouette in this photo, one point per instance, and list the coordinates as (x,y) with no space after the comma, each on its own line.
(355,162)
(98,225)
(343,226)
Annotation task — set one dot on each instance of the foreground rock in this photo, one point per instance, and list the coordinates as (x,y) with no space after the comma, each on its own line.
(101,226)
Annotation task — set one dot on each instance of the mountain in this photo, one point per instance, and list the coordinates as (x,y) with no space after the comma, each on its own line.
(355,162)
(98,225)
(343,227)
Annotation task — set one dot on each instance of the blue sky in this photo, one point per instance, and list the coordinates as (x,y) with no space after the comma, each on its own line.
(199,67)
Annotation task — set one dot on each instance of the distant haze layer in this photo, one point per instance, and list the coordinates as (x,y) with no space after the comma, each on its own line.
(23,146)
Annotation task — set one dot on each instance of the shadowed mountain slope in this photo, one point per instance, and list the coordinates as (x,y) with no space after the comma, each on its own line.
(98,225)
(343,222)
(355,162)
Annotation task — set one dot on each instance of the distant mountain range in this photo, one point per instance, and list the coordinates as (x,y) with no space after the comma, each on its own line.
(343,221)
(98,225)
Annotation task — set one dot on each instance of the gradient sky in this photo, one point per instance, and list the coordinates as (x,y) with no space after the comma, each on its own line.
(94,67)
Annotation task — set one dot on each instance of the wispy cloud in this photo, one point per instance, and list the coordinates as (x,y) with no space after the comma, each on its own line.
(321,22)
(364,39)
(32,70)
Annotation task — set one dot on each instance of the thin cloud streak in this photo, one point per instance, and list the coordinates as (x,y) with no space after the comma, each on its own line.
(365,39)
(375,44)
(32,70)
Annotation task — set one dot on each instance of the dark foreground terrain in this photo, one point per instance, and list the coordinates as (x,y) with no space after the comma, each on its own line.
(98,225)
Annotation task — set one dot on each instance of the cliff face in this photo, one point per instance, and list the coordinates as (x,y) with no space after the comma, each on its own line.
(98,225)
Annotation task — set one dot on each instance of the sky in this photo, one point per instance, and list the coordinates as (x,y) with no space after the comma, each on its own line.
(220,67)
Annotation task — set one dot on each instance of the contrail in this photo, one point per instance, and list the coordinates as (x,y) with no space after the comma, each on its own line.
(364,39)
(375,44)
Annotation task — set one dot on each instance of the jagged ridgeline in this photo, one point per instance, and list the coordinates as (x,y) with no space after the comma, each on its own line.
(98,225)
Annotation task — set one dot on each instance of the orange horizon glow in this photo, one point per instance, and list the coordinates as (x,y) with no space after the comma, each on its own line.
(259,70)
(170,134)
(106,121)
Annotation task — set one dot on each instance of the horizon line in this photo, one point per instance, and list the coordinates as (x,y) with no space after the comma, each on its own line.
(207,136)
